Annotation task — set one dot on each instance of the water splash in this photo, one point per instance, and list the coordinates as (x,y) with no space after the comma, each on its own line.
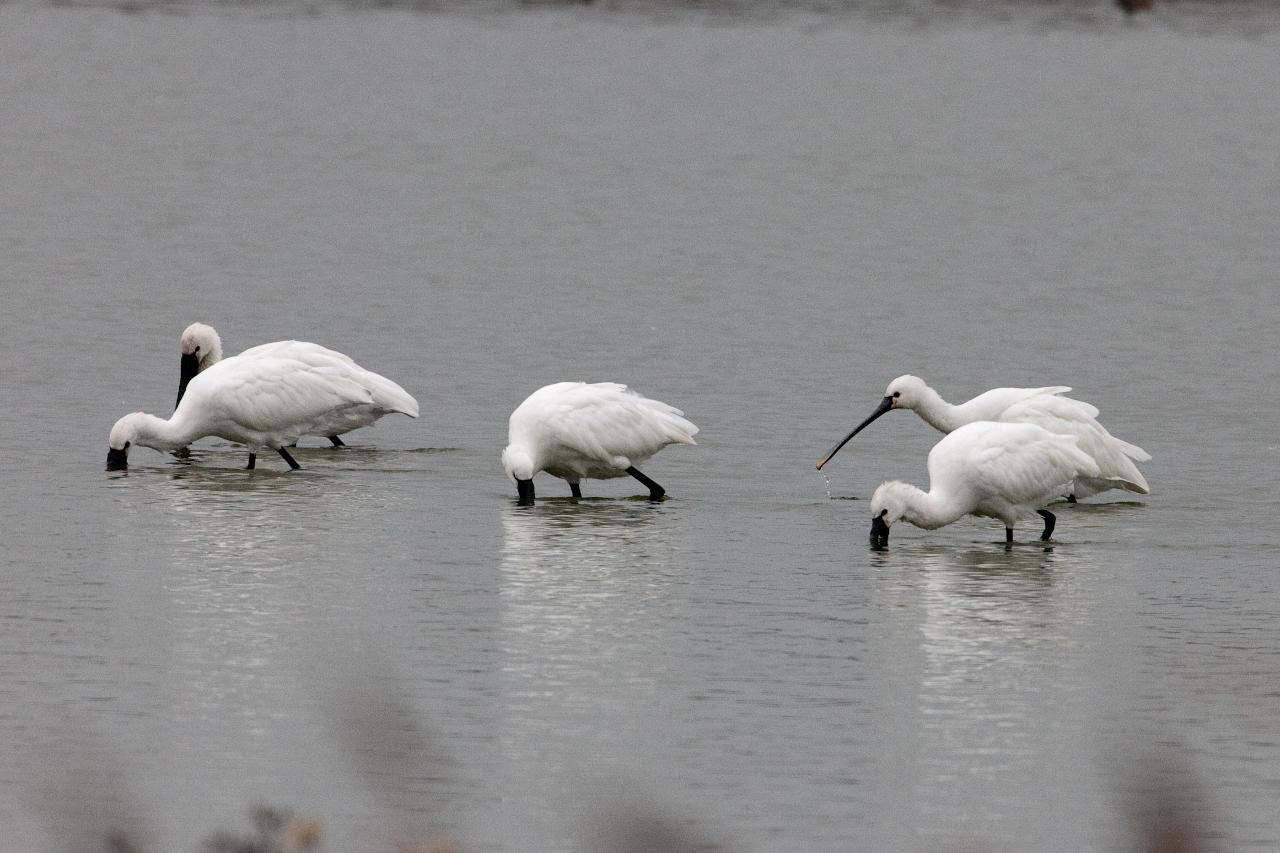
(828,482)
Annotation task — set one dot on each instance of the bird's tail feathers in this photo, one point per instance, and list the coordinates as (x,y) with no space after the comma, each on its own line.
(391,396)
(1120,470)
(678,428)
(682,429)
(1133,451)
(1138,488)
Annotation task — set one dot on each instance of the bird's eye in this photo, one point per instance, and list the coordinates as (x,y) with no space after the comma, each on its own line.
(897,394)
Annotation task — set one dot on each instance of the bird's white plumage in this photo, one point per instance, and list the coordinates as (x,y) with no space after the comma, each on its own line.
(574,430)
(992,469)
(1114,457)
(1044,407)
(204,340)
(263,401)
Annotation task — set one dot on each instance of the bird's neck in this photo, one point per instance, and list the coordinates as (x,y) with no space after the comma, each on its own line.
(937,412)
(929,510)
(160,434)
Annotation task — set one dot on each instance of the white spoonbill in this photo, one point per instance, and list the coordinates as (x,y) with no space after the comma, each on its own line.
(601,430)
(202,348)
(996,470)
(263,401)
(1041,406)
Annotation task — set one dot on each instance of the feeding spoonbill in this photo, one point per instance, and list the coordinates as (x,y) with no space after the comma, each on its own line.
(996,470)
(262,401)
(202,348)
(600,430)
(1041,406)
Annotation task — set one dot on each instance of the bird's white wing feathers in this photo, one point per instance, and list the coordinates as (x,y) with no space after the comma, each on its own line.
(278,399)
(1054,397)
(990,405)
(1070,417)
(304,351)
(604,421)
(1021,463)
(387,394)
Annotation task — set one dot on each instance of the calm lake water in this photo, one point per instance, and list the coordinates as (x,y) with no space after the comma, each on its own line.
(757,215)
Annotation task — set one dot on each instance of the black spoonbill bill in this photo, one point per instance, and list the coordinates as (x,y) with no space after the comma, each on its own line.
(202,348)
(262,401)
(1043,407)
(600,430)
(991,469)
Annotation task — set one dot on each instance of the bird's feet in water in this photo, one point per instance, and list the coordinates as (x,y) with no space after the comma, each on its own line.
(1049,521)
(656,492)
(284,454)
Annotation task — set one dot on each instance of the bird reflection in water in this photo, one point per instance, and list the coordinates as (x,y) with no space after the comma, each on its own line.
(573,539)
(587,627)
(580,569)
(236,571)
(974,691)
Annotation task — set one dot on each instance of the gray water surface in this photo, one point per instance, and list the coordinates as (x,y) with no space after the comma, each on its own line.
(761,219)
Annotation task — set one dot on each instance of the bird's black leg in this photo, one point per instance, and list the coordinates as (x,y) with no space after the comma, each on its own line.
(1071,499)
(1008,534)
(337,442)
(655,491)
(575,489)
(1049,521)
(253,458)
(287,458)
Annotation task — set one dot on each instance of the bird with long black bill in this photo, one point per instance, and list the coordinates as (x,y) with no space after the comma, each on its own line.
(201,349)
(264,402)
(989,469)
(1044,407)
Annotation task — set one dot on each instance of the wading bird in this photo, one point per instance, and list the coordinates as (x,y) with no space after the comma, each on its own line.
(202,348)
(990,469)
(1043,407)
(602,430)
(265,401)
